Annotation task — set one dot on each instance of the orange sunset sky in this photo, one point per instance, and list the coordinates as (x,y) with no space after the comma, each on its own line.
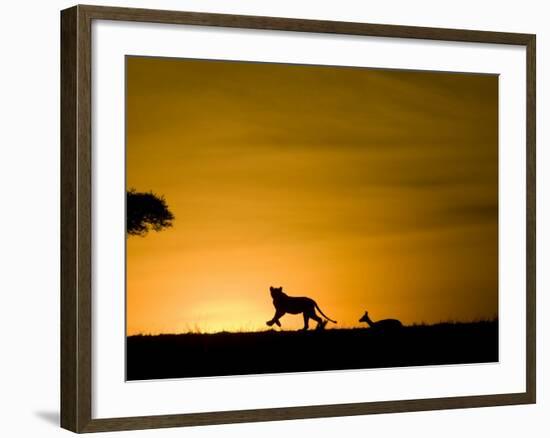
(361,188)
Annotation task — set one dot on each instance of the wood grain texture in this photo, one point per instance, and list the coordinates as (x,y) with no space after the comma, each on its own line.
(339,410)
(69,329)
(84,218)
(76,223)
(531,250)
(299,25)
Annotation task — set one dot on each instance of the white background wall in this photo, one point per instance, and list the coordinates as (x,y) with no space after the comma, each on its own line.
(29,215)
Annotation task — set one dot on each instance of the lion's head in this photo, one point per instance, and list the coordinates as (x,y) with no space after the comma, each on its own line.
(276,291)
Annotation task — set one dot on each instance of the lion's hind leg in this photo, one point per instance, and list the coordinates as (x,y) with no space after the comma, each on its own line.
(306,321)
(321,323)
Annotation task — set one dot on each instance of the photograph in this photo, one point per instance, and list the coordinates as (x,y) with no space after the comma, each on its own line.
(285,218)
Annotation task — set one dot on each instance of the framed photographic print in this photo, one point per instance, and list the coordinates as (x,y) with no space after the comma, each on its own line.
(269,218)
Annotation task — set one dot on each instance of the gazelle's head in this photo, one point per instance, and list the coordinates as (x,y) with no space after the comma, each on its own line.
(365,317)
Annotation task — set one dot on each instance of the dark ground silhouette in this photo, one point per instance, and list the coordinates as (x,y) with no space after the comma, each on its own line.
(220,354)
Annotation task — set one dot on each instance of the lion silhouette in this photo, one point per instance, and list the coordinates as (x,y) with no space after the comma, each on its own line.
(295,305)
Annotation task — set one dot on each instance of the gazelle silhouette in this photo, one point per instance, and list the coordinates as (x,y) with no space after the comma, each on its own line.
(383,324)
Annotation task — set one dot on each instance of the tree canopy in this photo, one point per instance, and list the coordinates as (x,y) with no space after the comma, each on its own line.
(145,212)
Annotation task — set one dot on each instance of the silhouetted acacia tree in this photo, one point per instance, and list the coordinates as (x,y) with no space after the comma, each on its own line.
(145,212)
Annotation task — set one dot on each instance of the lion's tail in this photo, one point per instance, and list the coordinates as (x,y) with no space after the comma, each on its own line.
(321,312)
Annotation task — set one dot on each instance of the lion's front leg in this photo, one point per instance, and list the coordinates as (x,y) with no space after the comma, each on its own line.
(275,319)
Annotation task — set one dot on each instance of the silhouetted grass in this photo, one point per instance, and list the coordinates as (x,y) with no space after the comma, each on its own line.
(219,354)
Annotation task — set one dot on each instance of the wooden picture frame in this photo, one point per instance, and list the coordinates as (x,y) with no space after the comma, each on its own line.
(76,217)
